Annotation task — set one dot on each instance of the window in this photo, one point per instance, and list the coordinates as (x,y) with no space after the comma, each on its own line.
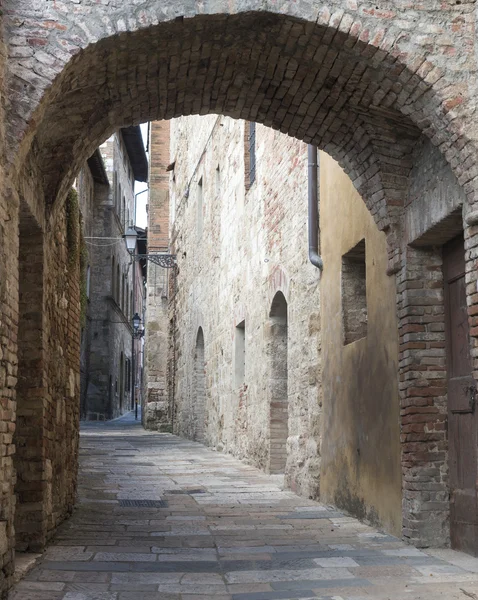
(88,281)
(113,277)
(123,213)
(200,216)
(354,294)
(118,284)
(118,200)
(128,375)
(250,154)
(240,354)
(115,187)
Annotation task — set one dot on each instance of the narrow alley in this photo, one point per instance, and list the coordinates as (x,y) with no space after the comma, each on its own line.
(163,518)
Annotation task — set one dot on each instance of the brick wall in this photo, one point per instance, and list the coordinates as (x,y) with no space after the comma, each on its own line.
(156,404)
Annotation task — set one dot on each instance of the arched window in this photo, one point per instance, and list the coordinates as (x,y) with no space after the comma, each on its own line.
(118,201)
(115,187)
(117,290)
(278,385)
(88,281)
(199,391)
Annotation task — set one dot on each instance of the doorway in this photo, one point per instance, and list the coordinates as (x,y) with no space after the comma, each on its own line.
(199,400)
(462,416)
(121,385)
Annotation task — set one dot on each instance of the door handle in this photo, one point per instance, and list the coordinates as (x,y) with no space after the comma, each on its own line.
(472,393)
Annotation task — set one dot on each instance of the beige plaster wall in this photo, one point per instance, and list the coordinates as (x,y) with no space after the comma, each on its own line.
(360,468)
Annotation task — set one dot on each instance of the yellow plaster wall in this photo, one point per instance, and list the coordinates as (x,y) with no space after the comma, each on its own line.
(360,470)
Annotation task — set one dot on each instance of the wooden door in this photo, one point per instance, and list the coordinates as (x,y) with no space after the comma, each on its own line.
(462,417)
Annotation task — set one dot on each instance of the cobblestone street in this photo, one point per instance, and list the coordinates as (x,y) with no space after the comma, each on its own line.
(161,518)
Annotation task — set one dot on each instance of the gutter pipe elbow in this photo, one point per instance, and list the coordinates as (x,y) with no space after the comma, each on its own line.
(313,198)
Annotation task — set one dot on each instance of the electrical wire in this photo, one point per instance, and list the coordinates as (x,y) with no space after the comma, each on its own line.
(103,245)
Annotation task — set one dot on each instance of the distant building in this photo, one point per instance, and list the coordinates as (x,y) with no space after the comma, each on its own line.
(105,188)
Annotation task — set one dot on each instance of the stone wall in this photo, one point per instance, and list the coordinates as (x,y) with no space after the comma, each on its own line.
(87,196)
(245,285)
(346,363)
(107,337)
(46,434)
(233,260)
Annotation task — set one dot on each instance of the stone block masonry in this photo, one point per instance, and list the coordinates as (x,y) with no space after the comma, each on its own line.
(244,296)
(226,531)
(280,376)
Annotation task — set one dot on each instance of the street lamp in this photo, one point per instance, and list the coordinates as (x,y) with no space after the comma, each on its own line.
(166,261)
(130,238)
(136,323)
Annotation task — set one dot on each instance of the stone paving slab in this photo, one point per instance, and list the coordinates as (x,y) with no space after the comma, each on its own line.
(226,532)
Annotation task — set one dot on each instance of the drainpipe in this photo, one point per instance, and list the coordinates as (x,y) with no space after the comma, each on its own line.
(314,256)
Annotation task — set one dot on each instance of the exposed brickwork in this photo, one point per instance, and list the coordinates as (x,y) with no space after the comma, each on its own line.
(32,481)
(431,217)
(9,222)
(354,83)
(156,405)
(158,202)
(423,399)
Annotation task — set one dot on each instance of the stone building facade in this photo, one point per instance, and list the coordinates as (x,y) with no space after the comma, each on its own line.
(108,206)
(388,92)
(258,341)
(302,372)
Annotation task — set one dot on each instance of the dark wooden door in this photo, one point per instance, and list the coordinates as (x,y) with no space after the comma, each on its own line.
(462,417)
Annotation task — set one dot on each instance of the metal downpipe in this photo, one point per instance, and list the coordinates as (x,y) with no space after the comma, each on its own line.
(314,256)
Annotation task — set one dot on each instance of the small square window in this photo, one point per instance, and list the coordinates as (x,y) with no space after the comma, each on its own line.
(354,294)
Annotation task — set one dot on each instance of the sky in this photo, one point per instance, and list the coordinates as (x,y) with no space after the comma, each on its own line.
(142,199)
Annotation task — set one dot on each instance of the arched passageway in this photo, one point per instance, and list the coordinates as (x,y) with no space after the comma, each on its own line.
(359,83)
(279,402)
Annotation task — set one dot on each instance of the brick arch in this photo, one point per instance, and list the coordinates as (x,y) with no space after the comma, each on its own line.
(278,281)
(352,82)
(359,84)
